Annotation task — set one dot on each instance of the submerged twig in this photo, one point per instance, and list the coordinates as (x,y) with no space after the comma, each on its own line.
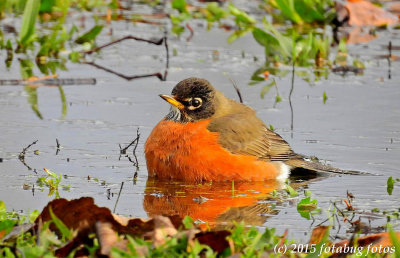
(155,42)
(123,151)
(160,76)
(191,32)
(21,155)
(119,194)
(58,146)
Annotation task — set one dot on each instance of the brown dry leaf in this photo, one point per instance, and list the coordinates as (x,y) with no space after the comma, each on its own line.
(215,239)
(359,35)
(317,234)
(163,228)
(380,239)
(363,13)
(108,239)
(84,217)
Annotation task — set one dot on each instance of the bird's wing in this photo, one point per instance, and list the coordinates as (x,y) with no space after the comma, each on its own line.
(245,133)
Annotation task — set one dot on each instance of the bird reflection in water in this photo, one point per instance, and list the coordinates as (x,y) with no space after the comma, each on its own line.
(217,203)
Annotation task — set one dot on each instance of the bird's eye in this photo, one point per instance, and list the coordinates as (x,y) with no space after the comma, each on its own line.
(196,102)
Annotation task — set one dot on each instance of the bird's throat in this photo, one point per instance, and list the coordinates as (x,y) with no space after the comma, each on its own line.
(176,115)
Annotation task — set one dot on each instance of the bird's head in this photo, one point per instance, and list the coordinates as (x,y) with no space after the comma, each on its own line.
(192,99)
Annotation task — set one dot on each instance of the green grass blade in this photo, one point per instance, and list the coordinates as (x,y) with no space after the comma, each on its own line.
(31,11)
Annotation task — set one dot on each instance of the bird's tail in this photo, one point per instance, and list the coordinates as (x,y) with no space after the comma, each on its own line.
(315,165)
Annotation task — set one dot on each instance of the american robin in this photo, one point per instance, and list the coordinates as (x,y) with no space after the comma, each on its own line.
(209,137)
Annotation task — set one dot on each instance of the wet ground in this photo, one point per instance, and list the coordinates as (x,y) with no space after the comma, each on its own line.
(357,128)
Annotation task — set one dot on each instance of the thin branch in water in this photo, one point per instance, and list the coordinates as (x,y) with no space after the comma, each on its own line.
(21,155)
(58,146)
(191,32)
(161,77)
(155,42)
(119,194)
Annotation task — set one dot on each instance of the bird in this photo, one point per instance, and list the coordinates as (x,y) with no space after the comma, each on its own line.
(208,137)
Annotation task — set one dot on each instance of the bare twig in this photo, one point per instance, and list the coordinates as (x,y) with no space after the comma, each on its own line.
(21,155)
(119,194)
(155,42)
(123,151)
(191,32)
(160,76)
(58,146)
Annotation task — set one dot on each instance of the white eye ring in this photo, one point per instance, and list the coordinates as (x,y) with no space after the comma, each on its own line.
(195,103)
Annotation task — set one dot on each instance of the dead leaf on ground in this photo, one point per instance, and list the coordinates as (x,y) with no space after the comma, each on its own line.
(317,234)
(84,217)
(380,239)
(363,13)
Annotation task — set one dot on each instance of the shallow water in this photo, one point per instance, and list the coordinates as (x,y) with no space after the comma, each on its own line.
(357,128)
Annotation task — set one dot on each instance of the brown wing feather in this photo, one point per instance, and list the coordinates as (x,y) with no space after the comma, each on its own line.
(245,133)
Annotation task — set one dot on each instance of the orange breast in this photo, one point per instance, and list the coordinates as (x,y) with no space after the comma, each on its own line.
(189,152)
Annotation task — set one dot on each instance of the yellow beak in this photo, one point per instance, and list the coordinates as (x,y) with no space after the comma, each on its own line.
(172,101)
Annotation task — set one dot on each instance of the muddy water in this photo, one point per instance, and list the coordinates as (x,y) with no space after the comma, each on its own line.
(357,128)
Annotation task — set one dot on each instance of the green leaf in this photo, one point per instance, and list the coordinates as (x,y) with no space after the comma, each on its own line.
(263,38)
(33,215)
(288,10)
(266,88)
(395,240)
(188,222)
(291,191)
(65,232)
(179,5)
(90,35)
(46,6)
(31,11)
(33,100)
(305,206)
(390,185)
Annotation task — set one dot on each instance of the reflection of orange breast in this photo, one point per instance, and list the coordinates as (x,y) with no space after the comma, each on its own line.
(215,199)
(189,152)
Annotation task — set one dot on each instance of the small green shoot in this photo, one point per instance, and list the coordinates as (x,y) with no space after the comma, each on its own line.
(390,185)
(324,97)
(291,191)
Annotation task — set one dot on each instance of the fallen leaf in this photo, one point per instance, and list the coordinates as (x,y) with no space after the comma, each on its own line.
(363,13)
(317,234)
(375,240)
(163,228)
